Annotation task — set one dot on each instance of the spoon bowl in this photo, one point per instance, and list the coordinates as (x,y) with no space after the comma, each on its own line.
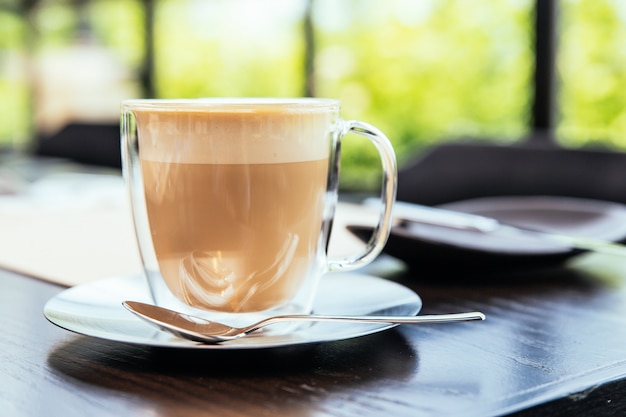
(206,331)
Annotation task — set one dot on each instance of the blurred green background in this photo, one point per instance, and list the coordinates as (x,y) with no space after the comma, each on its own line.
(422,71)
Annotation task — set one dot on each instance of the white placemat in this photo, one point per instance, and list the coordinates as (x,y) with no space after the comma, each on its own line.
(74,228)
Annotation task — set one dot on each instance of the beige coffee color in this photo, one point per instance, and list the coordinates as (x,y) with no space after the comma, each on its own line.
(235,201)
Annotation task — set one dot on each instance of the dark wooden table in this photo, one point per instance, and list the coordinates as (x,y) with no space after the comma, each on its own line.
(554,344)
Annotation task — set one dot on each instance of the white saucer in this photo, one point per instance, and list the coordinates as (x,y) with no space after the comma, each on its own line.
(95,309)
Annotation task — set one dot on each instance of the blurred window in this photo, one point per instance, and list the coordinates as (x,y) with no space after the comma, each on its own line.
(423,71)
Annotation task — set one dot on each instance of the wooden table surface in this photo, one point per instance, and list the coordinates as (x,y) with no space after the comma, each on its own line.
(553,344)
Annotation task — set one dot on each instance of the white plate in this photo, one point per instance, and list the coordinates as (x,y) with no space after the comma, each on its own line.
(95,309)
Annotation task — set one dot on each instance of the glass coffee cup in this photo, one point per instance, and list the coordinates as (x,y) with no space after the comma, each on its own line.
(233,201)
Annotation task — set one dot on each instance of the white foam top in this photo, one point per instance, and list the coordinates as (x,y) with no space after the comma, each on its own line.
(237,134)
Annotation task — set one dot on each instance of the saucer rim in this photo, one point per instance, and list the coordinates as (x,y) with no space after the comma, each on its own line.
(57,311)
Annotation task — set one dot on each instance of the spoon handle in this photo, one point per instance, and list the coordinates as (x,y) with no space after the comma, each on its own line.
(436,318)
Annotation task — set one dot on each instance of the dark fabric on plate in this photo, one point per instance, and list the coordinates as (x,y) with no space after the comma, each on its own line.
(430,257)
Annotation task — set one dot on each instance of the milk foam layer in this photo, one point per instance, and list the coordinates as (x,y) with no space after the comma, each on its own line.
(245,135)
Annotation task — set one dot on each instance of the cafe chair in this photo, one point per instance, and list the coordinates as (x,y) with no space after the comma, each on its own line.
(96,144)
(460,171)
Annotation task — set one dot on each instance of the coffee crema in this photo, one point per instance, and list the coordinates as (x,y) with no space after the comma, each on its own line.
(235,202)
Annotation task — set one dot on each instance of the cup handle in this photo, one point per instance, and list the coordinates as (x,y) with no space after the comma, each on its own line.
(388,196)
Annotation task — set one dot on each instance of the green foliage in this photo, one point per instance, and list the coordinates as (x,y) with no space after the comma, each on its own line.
(13,103)
(212,49)
(11,31)
(54,24)
(592,69)
(118,24)
(451,69)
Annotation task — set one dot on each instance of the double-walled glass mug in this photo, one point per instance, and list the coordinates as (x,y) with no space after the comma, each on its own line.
(233,200)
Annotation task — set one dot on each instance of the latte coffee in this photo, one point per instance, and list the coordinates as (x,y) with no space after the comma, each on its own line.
(234,202)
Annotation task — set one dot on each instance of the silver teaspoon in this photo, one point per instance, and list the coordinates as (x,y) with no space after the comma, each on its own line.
(206,331)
